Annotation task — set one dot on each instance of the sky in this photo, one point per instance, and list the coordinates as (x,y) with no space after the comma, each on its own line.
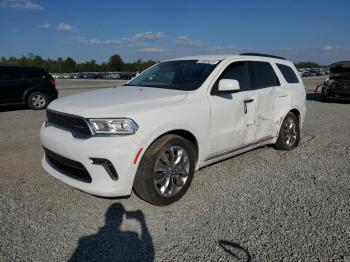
(311,30)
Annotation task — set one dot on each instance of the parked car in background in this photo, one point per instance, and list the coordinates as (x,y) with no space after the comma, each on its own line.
(176,117)
(32,86)
(111,76)
(337,86)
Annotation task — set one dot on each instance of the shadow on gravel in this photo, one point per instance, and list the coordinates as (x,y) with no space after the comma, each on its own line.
(235,250)
(112,244)
(13,108)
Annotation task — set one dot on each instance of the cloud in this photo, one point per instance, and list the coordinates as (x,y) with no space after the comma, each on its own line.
(152,50)
(95,41)
(21,5)
(65,27)
(185,41)
(148,36)
(45,25)
(158,44)
(138,40)
(328,48)
(228,49)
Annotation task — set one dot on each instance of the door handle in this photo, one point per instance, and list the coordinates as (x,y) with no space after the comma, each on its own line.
(245,104)
(283,94)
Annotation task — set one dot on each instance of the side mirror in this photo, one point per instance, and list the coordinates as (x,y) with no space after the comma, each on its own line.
(228,86)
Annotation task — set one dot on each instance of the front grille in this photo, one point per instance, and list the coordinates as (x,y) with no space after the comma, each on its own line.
(68,167)
(74,124)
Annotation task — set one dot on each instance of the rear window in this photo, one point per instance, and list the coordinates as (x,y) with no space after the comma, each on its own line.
(8,73)
(262,75)
(33,73)
(288,74)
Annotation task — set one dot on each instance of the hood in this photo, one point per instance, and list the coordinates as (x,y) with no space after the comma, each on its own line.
(122,101)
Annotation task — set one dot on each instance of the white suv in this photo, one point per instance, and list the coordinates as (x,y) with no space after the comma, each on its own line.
(180,115)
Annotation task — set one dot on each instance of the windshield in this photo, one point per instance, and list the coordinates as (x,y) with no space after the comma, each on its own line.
(184,75)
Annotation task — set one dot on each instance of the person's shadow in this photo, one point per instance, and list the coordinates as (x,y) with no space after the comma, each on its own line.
(112,244)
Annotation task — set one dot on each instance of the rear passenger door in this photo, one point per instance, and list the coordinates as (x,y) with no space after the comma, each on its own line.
(10,84)
(35,78)
(291,91)
(265,82)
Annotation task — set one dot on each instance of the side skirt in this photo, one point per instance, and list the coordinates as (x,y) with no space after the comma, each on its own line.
(237,150)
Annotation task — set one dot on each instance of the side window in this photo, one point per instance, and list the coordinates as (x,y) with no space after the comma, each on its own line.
(288,74)
(237,71)
(262,75)
(8,73)
(33,73)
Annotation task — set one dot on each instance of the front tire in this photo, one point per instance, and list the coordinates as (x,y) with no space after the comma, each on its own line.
(166,170)
(37,101)
(289,134)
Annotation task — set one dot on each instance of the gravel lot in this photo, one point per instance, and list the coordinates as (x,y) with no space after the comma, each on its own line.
(263,205)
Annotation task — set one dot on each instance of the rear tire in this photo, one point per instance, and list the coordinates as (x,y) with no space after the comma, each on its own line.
(289,134)
(166,170)
(37,101)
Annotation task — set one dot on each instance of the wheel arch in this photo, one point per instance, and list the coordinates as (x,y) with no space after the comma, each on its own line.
(297,113)
(293,110)
(30,91)
(182,132)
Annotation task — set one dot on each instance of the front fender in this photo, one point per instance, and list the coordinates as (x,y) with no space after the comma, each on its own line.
(147,140)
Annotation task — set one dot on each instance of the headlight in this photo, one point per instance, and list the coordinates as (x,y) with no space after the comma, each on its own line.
(115,126)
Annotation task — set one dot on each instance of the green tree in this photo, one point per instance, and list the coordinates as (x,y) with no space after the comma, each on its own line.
(115,63)
(38,61)
(24,60)
(70,65)
(307,65)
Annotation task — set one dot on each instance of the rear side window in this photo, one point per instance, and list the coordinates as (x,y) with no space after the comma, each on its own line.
(237,71)
(8,73)
(288,74)
(262,75)
(33,73)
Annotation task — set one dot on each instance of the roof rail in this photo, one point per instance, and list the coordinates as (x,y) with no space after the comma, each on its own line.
(265,55)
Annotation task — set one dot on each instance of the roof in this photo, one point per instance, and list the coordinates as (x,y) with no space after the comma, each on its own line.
(341,63)
(207,57)
(222,57)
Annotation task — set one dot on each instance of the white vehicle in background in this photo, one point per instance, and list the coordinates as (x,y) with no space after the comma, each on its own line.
(180,115)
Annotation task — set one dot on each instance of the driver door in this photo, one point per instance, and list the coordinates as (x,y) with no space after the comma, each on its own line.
(231,113)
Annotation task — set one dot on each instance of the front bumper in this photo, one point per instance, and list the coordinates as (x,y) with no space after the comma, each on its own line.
(119,150)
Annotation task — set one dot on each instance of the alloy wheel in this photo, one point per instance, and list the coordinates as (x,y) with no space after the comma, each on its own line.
(171,171)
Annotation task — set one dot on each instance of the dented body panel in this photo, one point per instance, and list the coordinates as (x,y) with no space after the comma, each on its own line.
(338,84)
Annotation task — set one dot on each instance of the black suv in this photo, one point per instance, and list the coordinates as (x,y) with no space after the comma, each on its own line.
(32,86)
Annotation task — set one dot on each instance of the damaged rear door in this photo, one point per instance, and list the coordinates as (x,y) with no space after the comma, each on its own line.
(264,82)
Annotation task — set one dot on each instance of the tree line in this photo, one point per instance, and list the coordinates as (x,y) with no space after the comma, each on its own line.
(69,65)
(308,65)
(115,63)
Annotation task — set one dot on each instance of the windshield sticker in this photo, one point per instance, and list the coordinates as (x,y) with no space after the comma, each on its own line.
(207,61)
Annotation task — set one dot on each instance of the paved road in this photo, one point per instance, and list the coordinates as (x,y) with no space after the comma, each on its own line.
(264,205)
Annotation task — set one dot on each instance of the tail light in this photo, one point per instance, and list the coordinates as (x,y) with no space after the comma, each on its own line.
(53,82)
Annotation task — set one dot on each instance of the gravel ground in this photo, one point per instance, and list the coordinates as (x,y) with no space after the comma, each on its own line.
(264,205)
